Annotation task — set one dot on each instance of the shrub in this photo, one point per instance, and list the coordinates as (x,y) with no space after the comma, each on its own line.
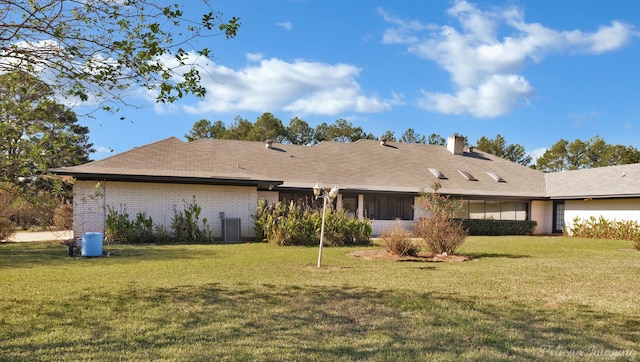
(442,234)
(602,228)
(498,227)
(120,229)
(186,225)
(398,241)
(63,217)
(299,224)
(341,230)
(117,226)
(7,228)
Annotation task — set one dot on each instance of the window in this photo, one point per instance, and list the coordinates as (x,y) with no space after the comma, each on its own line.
(388,207)
(494,210)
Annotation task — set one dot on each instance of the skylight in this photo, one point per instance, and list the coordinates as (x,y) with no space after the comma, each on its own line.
(437,173)
(496,177)
(467,175)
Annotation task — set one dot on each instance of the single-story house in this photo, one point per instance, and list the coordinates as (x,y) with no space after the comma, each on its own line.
(611,192)
(378,180)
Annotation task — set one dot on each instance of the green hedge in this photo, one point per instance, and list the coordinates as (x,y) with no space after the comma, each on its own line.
(498,227)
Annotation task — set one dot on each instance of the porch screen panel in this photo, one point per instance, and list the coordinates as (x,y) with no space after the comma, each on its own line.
(522,209)
(507,210)
(349,205)
(388,207)
(492,210)
(463,212)
(476,209)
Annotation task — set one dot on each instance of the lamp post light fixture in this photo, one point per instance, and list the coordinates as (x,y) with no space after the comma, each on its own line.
(326,195)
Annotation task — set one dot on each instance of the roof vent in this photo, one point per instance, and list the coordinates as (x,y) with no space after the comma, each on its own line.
(269,143)
(496,177)
(383,141)
(437,173)
(467,175)
(455,144)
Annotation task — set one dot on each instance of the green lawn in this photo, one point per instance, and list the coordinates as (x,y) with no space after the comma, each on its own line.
(520,298)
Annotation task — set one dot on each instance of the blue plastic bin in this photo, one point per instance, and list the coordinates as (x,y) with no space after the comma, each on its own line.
(91,244)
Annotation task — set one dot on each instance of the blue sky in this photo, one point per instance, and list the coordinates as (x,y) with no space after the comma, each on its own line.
(534,71)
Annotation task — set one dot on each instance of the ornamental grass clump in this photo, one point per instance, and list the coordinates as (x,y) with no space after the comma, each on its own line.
(398,242)
(440,231)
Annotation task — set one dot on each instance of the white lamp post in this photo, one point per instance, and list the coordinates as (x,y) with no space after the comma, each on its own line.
(325,196)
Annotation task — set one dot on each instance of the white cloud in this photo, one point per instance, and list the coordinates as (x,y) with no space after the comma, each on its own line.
(287,25)
(403,30)
(537,153)
(583,116)
(254,57)
(300,86)
(496,96)
(484,67)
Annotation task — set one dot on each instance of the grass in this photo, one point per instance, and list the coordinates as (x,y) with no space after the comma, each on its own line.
(521,298)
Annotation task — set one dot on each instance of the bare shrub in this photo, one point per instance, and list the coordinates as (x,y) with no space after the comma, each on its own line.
(7,228)
(441,233)
(63,217)
(398,241)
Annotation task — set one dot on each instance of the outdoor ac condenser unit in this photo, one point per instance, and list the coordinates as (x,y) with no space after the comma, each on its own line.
(231,230)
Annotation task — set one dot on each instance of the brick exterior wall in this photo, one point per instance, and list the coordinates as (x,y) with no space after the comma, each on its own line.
(158,201)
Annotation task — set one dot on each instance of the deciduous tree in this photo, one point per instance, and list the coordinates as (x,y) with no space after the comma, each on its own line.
(94,50)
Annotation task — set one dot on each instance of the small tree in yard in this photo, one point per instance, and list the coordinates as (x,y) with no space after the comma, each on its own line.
(441,233)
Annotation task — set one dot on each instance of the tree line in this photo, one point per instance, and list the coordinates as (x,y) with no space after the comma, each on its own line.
(561,156)
(298,132)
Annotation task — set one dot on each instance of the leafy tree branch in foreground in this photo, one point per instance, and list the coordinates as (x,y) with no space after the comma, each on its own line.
(93,51)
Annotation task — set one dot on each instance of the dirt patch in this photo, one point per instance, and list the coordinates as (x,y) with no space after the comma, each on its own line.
(421,257)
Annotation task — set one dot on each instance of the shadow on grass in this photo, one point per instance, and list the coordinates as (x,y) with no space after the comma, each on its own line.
(273,322)
(52,253)
(496,255)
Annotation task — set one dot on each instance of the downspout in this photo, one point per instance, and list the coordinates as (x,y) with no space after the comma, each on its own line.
(104,206)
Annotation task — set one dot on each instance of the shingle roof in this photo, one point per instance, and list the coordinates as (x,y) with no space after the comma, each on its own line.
(602,182)
(362,165)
